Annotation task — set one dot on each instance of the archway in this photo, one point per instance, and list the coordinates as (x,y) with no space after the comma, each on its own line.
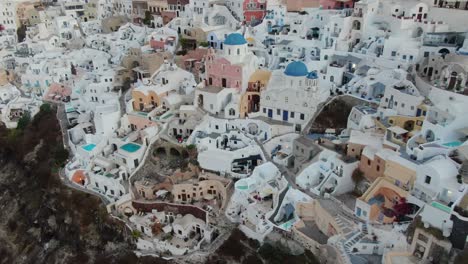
(174,152)
(443,52)
(430,136)
(254,104)
(160,151)
(356,25)
(409,125)
(200,100)
(418,32)
(252,128)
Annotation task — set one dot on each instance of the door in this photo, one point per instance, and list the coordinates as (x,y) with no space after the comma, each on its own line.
(174,132)
(418,112)
(285,115)
(224,82)
(358,211)
(270,113)
(429,73)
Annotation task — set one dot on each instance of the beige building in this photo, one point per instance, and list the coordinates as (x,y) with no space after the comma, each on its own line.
(424,248)
(213,188)
(144,65)
(27,13)
(372,163)
(157,6)
(250,100)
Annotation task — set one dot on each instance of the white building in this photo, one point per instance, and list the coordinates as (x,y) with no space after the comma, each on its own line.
(330,174)
(292,96)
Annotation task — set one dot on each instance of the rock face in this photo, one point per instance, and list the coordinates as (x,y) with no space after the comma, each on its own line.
(43,221)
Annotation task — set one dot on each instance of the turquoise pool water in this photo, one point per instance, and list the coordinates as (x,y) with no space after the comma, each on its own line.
(89,147)
(242,187)
(453,144)
(130,147)
(441,207)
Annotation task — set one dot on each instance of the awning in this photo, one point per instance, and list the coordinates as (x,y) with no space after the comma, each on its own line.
(397,130)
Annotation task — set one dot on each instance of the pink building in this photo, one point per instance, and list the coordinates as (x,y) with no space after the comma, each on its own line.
(232,68)
(336,4)
(221,73)
(298,5)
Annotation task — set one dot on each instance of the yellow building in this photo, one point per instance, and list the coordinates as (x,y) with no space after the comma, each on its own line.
(250,100)
(375,204)
(27,13)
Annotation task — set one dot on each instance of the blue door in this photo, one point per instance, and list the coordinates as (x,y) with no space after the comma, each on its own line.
(285,115)
(270,113)
(418,112)
(358,211)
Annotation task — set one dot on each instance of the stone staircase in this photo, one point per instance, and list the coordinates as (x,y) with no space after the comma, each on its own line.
(355,238)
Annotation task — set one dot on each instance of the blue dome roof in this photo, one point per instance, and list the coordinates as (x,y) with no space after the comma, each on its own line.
(235,39)
(312,75)
(296,69)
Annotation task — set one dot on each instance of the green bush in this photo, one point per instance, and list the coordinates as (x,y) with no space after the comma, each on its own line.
(203,44)
(24,121)
(45,108)
(60,155)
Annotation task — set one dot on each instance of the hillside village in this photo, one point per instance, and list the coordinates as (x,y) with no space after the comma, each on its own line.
(192,118)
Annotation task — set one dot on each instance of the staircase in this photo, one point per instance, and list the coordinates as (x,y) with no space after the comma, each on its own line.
(355,238)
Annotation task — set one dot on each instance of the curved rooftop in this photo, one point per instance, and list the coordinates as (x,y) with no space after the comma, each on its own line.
(235,39)
(296,69)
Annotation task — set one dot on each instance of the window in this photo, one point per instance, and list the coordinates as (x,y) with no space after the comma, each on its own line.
(402,105)
(378,168)
(292,114)
(404,57)
(368,162)
(278,111)
(393,53)
(302,116)
(286,99)
(427,180)
(264,110)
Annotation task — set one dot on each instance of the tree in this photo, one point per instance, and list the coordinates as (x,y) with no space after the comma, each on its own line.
(60,155)
(148,18)
(192,151)
(21,33)
(45,108)
(357,175)
(203,44)
(24,121)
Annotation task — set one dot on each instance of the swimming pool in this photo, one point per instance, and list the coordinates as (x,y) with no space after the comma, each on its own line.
(130,147)
(242,185)
(89,147)
(453,144)
(441,207)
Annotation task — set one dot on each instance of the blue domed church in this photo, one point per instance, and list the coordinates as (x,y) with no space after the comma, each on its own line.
(292,95)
